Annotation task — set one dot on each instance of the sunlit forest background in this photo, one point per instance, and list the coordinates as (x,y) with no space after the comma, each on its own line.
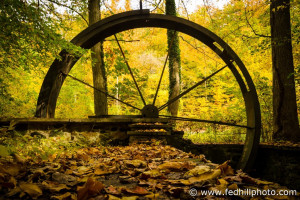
(244,25)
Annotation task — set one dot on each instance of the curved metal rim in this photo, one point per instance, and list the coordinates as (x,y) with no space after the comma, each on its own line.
(139,19)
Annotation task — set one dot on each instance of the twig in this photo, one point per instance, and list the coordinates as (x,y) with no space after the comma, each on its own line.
(187,14)
(123,40)
(208,12)
(110,10)
(197,48)
(232,32)
(60,4)
(156,6)
(53,11)
(255,33)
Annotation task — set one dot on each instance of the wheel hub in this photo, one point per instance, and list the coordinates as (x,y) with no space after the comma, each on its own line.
(150,111)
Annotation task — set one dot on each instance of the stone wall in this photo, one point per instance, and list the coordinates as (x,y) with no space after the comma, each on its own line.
(279,164)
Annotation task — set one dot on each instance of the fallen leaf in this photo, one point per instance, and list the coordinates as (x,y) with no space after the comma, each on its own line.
(112,197)
(261,182)
(174,166)
(135,163)
(226,169)
(152,196)
(11,169)
(221,186)
(197,171)
(52,157)
(235,178)
(14,192)
(113,190)
(179,182)
(149,182)
(66,196)
(82,170)
(54,187)
(247,179)
(101,172)
(31,189)
(206,176)
(130,198)
(151,174)
(4,151)
(89,189)
(233,186)
(137,191)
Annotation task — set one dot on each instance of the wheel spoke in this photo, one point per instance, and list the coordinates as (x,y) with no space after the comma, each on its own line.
(205,121)
(131,73)
(163,70)
(111,96)
(190,89)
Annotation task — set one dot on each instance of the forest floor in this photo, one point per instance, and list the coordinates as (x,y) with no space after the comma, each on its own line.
(138,171)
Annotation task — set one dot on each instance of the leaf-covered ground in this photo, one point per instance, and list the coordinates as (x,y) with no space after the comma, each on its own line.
(138,171)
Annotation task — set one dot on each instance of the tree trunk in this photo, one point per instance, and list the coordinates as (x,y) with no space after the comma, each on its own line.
(285,118)
(99,76)
(174,61)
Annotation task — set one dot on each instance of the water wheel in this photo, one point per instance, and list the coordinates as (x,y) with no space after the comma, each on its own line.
(140,19)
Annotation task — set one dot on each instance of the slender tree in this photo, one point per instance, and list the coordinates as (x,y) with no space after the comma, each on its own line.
(174,61)
(99,75)
(285,119)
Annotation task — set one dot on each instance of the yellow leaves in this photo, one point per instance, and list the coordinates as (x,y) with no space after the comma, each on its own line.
(82,170)
(116,173)
(233,186)
(113,190)
(31,189)
(3,151)
(136,191)
(151,174)
(206,176)
(65,196)
(102,172)
(221,186)
(111,197)
(54,186)
(152,196)
(179,182)
(197,171)
(226,169)
(174,166)
(11,169)
(135,163)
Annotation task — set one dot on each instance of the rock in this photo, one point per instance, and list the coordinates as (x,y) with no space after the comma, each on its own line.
(64,179)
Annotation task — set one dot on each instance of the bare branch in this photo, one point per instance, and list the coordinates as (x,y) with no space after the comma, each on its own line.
(255,33)
(156,6)
(110,10)
(208,12)
(232,32)
(53,11)
(121,40)
(187,14)
(66,6)
(197,48)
